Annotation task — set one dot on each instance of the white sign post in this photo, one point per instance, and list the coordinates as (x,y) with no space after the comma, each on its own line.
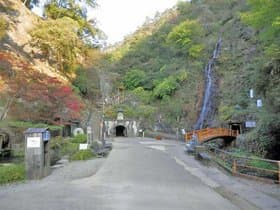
(89,135)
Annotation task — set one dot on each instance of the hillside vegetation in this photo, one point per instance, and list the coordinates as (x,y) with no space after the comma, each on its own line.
(39,60)
(161,68)
(52,70)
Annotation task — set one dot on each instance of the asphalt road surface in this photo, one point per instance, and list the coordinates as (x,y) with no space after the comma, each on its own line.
(138,174)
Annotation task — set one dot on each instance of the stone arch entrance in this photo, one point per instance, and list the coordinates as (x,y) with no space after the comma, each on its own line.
(121,130)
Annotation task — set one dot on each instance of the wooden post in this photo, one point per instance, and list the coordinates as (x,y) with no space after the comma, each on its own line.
(234,167)
(278,172)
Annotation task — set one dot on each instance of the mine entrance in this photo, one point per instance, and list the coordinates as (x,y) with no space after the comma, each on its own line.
(120,130)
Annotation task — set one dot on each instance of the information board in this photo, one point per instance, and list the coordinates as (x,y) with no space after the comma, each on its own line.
(33,142)
(83,146)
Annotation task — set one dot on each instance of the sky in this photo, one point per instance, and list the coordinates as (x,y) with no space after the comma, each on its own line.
(118,18)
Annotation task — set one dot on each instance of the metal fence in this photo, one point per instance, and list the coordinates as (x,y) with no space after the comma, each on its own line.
(253,168)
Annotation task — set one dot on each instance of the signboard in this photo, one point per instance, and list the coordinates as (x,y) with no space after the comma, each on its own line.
(259,103)
(83,146)
(33,142)
(250,124)
(46,136)
(89,129)
(120,116)
(251,93)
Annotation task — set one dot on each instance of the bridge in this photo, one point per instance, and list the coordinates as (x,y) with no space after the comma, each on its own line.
(209,134)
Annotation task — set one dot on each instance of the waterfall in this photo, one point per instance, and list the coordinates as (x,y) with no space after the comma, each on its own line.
(209,88)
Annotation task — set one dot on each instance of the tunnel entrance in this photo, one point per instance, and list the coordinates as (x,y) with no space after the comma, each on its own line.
(120,130)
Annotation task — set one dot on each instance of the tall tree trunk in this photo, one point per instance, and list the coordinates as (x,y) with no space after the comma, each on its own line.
(6,109)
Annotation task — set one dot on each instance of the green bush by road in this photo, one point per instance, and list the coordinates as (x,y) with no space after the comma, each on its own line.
(83,155)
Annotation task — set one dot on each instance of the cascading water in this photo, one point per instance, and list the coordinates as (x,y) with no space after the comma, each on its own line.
(209,87)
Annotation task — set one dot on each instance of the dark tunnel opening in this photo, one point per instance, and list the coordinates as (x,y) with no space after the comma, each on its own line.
(120,130)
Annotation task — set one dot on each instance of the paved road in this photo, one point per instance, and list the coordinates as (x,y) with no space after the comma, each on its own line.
(138,174)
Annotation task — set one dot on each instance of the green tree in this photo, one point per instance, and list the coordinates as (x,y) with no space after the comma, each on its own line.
(144,95)
(134,78)
(166,87)
(56,9)
(187,36)
(87,81)
(58,40)
(265,17)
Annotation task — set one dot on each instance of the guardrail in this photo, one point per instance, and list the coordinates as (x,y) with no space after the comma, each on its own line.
(253,168)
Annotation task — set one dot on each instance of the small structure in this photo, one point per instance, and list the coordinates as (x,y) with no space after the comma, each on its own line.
(120,115)
(235,127)
(37,155)
(5,144)
(121,127)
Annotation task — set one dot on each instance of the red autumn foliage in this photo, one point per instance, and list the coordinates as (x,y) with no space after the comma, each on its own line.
(36,96)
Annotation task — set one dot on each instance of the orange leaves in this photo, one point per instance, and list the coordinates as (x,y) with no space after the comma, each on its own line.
(38,97)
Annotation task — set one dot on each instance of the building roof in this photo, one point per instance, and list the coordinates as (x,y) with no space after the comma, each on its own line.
(36,130)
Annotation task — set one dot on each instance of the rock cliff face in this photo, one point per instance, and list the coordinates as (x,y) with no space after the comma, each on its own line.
(20,63)
(20,20)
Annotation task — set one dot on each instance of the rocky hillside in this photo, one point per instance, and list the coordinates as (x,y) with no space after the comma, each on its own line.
(31,87)
(19,21)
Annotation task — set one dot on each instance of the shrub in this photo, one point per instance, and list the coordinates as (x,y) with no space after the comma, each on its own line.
(134,78)
(69,148)
(83,155)
(80,139)
(11,173)
(166,87)
(64,146)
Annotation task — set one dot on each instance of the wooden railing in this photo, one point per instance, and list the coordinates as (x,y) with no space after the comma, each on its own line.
(210,133)
(250,167)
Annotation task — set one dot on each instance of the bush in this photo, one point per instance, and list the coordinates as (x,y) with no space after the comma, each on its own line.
(69,148)
(134,78)
(80,139)
(11,173)
(83,155)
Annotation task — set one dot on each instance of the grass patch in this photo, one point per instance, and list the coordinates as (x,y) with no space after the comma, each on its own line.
(83,155)
(12,173)
(240,153)
(263,165)
(24,124)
